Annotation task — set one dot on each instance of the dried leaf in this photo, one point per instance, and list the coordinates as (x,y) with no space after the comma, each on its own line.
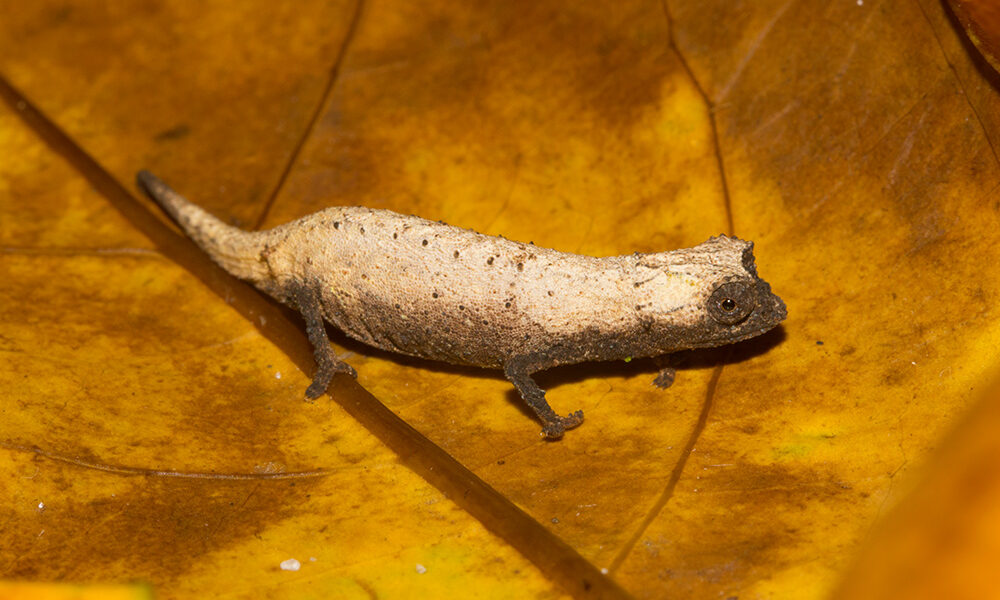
(853,142)
(981,20)
(942,541)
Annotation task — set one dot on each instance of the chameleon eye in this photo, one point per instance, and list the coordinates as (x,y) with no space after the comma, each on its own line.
(731,302)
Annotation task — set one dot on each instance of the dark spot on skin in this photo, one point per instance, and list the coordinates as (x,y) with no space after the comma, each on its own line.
(395,235)
(456,253)
(638,307)
(460,307)
(485,322)
(424,243)
(819,342)
(434,295)
(362,230)
(489,260)
(636,284)
(520,266)
(551,293)
(397,307)
(336,224)
(506,304)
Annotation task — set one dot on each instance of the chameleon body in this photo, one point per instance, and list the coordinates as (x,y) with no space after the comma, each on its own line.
(427,289)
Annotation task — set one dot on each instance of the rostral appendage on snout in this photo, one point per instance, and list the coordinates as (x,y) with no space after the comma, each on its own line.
(423,288)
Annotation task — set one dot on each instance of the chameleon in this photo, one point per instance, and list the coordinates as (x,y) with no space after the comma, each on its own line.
(432,290)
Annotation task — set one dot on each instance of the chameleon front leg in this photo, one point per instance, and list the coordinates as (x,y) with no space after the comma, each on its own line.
(665,378)
(668,370)
(327,363)
(518,371)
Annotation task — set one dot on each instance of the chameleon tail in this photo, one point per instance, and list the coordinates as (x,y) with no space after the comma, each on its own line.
(235,250)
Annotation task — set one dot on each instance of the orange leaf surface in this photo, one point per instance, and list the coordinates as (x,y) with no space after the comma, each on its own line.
(154,427)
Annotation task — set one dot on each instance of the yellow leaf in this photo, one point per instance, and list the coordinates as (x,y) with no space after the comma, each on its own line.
(56,591)
(153,432)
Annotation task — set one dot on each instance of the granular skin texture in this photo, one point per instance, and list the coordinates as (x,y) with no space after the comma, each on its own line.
(428,289)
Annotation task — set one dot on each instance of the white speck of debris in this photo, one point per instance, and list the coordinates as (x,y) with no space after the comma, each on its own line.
(290,565)
(421,569)
(861,2)
(604,571)
(41,506)
(312,559)
(263,320)
(277,375)
(913,363)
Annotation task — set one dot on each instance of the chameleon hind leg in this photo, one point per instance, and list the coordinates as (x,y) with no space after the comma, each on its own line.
(518,371)
(327,363)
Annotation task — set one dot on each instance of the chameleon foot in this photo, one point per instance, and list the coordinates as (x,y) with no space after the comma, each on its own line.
(323,376)
(665,378)
(555,428)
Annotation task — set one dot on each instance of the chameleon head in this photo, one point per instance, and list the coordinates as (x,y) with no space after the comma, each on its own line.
(712,296)
(738,304)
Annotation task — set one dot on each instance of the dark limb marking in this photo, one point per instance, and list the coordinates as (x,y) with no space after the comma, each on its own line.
(327,362)
(518,371)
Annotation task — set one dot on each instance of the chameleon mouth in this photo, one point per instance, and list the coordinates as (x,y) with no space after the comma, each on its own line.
(732,339)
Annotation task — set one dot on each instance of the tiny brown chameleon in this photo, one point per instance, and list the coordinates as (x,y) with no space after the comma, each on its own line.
(427,289)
